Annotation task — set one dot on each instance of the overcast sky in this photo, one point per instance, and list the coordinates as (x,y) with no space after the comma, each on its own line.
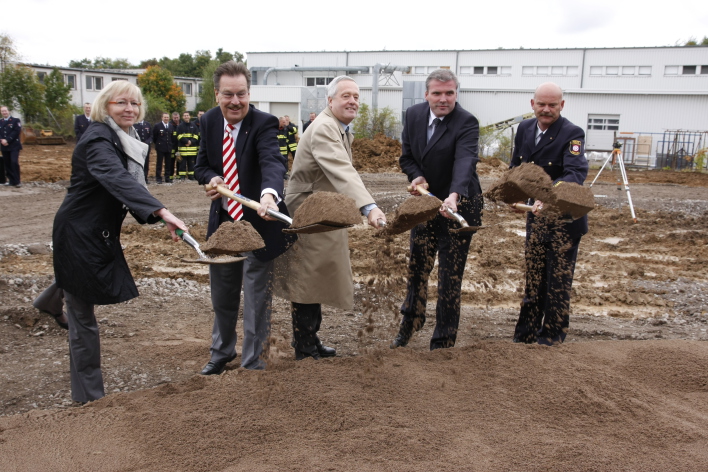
(54,32)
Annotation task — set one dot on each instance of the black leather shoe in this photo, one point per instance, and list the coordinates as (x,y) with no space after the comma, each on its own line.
(300,355)
(216,367)
(404,335)
(325,351)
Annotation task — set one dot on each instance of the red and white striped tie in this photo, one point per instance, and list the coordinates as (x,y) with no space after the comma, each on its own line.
(231,172)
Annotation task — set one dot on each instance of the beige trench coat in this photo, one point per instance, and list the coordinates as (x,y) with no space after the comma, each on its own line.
(317,268)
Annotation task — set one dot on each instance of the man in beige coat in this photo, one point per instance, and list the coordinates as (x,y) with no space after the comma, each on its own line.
(318,269)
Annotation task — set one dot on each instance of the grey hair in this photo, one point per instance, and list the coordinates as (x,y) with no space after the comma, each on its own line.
(442,75)
(332,87)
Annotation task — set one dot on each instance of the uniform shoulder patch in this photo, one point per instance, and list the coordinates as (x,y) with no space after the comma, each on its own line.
(575,147)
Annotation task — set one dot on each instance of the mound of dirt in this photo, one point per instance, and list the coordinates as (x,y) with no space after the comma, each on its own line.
(376,155)
(521,183)
(233,238)
(574,199)
(328,208)
(413,211)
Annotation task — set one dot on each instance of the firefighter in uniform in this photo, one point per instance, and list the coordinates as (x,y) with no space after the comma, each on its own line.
(283,141)
(292,136)
(170,166)
(188,146)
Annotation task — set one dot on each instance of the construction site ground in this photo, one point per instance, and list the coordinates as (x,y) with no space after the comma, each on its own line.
(628,390)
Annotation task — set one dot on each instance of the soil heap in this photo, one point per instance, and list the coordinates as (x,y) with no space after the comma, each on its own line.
(328,208)
(376,155)
(521,183)
(413,211)
(233,238)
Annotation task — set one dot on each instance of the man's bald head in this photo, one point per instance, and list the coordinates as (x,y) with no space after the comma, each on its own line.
(547,103)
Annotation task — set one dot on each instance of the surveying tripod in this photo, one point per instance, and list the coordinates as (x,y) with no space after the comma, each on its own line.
(616,158)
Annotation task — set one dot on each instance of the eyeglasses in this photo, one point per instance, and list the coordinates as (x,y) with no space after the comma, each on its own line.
(229,95)
(124,104)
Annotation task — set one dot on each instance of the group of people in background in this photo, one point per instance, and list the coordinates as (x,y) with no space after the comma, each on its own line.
(175,142)
(240,147)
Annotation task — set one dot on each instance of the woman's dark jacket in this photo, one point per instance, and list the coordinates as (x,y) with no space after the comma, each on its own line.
(88,259)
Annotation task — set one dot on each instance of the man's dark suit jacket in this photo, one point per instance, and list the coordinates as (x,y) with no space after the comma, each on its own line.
(81,124)
(162,137)
(560,152)
(259,167)
(449,160)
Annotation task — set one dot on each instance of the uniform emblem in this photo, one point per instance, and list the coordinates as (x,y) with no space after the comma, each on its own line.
(575,147)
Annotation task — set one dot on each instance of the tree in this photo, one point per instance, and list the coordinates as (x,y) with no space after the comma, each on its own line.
(158,82)
(20,88)
(57,94)
(693,42)
(369,123)
(207,98)
(8,53)
(102,63)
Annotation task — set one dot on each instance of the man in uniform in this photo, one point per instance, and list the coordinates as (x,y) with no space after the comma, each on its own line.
(308,123)
(174,124)
(293,138)
(283,141)
(439,151)
(317,269)
(82,122)
(10,129)
(144,130)
(558,146)
(162,137)
(187,145)
(239,150)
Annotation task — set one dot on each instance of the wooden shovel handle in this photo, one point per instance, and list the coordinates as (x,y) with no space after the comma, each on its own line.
(249,203)
(422,190)
(522,207)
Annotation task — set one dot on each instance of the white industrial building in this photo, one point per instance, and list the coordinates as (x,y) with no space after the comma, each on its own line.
(652,98)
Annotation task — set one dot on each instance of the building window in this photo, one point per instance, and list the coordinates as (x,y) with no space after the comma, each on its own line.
(602,123)
(542,70)
(611,70)
(492,70)
(70,80)
(528,70)
(644,70)
(312,81)
(572,70)
(41,76)
(113,79)
(94,82)
(671,70)
(478,70)
(465,70)
(557,70)
(689,70)
(200,88)
(186,88)
(595,70)
(505,70)
(627,70)
(417,70)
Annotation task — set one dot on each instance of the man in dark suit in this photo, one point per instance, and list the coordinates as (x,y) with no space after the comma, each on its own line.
(256,172)
(439,151)
(10,128)
(82,122)
(144,130)
(162,138)
(558,146)
(308,123)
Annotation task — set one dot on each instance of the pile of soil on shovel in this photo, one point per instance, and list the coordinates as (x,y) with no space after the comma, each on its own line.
(233,238)
(574,199)
(413,211)
(327,208)
(520,183)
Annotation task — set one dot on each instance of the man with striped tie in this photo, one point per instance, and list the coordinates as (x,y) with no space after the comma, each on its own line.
(239,149)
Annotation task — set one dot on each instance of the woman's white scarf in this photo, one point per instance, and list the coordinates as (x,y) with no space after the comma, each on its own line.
(136,150)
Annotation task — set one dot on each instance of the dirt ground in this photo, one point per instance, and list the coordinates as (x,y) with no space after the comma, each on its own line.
(628,390)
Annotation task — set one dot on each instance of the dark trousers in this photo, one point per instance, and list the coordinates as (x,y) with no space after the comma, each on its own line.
(11,159)
(3,178)
(186,167)
(169,165)
(84,350)
(307,318)
(427,240)
(545,309)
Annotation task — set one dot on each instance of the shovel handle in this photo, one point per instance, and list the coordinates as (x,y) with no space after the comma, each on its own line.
(422,190)
(522,206)
(250,203)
